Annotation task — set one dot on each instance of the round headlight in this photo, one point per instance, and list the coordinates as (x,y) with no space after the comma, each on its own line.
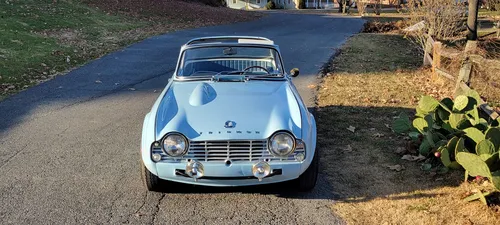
(175,145)
(282,144)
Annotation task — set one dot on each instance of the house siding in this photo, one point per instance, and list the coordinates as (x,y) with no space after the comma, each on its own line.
(242,4)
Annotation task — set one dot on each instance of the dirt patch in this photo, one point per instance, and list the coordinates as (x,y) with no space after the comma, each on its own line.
(384,27)
(362,157)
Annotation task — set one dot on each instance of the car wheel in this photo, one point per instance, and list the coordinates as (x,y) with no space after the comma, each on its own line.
(307,180)
(151,181)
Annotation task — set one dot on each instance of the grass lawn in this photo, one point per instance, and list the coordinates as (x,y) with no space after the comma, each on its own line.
(43,38)
(36,39)
(374,79)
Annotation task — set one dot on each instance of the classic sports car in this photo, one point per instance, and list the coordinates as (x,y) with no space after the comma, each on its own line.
(229,116)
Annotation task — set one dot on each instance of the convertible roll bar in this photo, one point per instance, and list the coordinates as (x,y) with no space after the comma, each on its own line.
(239,39)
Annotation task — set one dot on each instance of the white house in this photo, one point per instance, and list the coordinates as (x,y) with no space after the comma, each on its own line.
(261,4)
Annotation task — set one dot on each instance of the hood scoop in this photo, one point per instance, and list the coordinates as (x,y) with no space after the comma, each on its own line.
(202,94)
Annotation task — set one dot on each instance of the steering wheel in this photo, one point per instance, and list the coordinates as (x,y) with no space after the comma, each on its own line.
(258,67)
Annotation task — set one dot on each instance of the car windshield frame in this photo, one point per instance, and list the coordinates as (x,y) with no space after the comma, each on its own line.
(184,49)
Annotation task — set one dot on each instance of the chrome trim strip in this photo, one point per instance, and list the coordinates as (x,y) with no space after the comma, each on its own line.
(215,38)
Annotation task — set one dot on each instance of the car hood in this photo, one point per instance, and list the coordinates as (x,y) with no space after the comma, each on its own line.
(201,109)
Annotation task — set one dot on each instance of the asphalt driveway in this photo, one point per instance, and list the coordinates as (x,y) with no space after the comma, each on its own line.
(69,148)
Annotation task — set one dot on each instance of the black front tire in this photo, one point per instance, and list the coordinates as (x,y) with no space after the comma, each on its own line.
(307,180)
(151,181)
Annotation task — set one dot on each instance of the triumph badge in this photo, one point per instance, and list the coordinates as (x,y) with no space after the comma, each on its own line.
(230,124)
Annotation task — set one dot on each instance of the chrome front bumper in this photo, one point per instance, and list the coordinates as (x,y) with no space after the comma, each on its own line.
(237,174)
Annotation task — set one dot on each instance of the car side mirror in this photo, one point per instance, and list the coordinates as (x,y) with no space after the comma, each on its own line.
(294,72)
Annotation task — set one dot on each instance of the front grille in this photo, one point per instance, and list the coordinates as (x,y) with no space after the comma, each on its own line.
(228,150)
(234,150)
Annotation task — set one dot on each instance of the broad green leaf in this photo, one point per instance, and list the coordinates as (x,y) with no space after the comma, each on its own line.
(474,134)
(485,157)
(455,119)
(443,114)
(447,127)
(475,116)
(473,197)
(473,94)
(478,196)
(485,147)
(461,102)
(424,148)
(414,136)
(446,104)
(471,105)
(473,164)
(492,161)
(442,142)
(463,124)
(451,146)
(430,137)
(455,165)
(402,124)
(481,127)
(483,199)
(495,123)
(420,112)
(420,124)
(430,120)
(460,147)
(445,156)
(427,103)
(493,134)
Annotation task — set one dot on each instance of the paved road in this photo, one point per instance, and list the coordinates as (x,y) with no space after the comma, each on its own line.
(69,148)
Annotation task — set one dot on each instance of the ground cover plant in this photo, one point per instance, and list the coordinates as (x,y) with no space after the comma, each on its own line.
(453,131)
(376,175)
(43,38)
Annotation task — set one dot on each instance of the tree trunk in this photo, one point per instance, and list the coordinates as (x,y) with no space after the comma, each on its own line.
(472,20)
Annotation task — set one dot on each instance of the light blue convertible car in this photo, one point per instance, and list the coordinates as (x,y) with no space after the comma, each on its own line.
(230,116)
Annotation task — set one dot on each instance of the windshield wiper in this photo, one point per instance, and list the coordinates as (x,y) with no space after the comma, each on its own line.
(265,77)
(195,78)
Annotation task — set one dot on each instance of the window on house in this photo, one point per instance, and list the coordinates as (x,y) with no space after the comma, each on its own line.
(289,2)
(234,1)
(258,1)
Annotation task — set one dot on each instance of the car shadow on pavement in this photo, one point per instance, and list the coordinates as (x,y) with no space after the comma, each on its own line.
(322,190)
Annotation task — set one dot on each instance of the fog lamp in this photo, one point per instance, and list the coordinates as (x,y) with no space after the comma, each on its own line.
(300,157)
(194,169)
(261,170)
(156,157)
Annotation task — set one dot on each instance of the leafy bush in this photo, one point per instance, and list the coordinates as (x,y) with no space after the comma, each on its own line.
(441,19)
(493,5)
(270,5)
(302,4)
(454,132)
(361,5)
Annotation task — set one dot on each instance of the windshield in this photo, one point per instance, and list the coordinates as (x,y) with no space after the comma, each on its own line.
(209,61)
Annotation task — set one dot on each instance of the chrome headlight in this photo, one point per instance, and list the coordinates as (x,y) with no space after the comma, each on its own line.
(282,144)
(175,144)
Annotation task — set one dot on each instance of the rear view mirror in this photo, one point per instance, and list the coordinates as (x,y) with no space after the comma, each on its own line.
(294,72)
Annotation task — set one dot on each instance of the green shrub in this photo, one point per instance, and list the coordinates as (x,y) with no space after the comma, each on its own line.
(454,130)
(270,5)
